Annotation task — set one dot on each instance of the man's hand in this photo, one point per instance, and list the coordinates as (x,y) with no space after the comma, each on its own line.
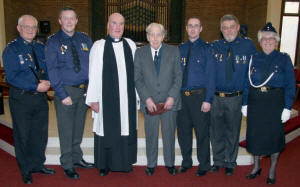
(43,86)
(150,105)
(169,103)
(67,101)
(95,106)
(205,107)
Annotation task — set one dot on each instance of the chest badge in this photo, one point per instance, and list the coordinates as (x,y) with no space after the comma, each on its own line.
(21,59)
(237,59)
(244,58)
(221,58)
(63,49)
(84,47)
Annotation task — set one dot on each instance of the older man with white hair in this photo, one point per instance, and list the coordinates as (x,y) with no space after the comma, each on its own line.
(26,72)
(158,78)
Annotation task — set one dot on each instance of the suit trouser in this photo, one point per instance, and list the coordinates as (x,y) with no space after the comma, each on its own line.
(168,126)
(225,129)
(30,128)
(70,123)
(190,116)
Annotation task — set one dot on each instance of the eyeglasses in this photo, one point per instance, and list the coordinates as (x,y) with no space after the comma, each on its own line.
(268,39)
(27,27)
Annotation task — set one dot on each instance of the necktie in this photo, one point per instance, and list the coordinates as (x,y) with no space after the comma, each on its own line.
(156,62)
(229,64)
(186,69)
(76,61)
(36,63)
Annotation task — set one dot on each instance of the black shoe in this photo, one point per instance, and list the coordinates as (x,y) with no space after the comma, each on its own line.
(214,168)
(83,164)
(103,172)
(182,169)
(149,171)
(229,171)
(252,176)
(200,172)
(27,178)
(172,170)
(44,170)
(271,181)
(71,173)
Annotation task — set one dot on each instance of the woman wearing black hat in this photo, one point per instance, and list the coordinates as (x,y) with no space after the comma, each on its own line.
(268,101)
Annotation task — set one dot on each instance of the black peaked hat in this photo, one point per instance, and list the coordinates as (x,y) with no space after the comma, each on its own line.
(269,27)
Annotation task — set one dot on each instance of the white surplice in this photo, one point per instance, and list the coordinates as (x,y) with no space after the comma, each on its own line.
(94,92)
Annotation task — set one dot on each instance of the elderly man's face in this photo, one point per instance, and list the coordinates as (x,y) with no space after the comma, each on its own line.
(115,25)
(193,28)
(27,29)
(230,30)
(68,21)
(155,36)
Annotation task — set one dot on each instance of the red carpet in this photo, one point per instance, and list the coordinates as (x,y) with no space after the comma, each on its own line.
(287,175)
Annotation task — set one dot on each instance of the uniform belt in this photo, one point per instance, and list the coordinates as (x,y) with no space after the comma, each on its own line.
(192,92)
(228,94)
(80,86)
(266,89)
(27,92)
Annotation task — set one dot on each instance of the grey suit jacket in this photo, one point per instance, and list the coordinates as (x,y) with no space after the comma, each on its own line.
(158,87)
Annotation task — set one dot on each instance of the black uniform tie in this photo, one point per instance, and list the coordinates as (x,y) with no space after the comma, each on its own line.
(186,64)
(34,58)
(229,64)
(76,61)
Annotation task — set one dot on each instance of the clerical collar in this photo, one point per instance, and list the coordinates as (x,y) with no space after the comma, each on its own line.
(116,40)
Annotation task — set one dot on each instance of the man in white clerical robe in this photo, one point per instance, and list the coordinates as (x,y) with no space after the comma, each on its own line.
(111,95)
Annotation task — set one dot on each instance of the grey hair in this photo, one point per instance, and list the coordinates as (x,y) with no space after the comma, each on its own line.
(20,20)
(162,28)
(229,17)
(260,33)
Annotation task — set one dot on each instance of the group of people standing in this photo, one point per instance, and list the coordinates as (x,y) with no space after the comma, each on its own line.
(200,86)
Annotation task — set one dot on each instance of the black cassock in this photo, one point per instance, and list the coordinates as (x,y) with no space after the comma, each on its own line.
(113,151)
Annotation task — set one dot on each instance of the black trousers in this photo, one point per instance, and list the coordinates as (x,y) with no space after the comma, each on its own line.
(225,129)
(189,117)
(30,128)
(70,123)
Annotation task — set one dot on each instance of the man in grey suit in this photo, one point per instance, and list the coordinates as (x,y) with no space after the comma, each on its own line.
(158,81)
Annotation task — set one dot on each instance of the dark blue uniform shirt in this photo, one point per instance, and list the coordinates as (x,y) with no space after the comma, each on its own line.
(59,60)
(281,65)
(201,73)
(17,60)
(242,50)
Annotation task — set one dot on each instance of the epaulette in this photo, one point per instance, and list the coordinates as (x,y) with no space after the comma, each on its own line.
(247,38)
(51,36)
(286,54)
(84,34)
(39,42)
(11,42)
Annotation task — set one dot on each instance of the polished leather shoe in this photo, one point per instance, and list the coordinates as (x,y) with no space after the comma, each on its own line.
(172,170)
(200,172)
(182,169)
(252,176)
(229,171)
(214,168)
(149,171)
(44,170)
(27,178)
(271,181)
(103,172)
(83,164)
(71,173)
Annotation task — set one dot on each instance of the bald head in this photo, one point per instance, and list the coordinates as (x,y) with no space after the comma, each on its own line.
(115,25)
